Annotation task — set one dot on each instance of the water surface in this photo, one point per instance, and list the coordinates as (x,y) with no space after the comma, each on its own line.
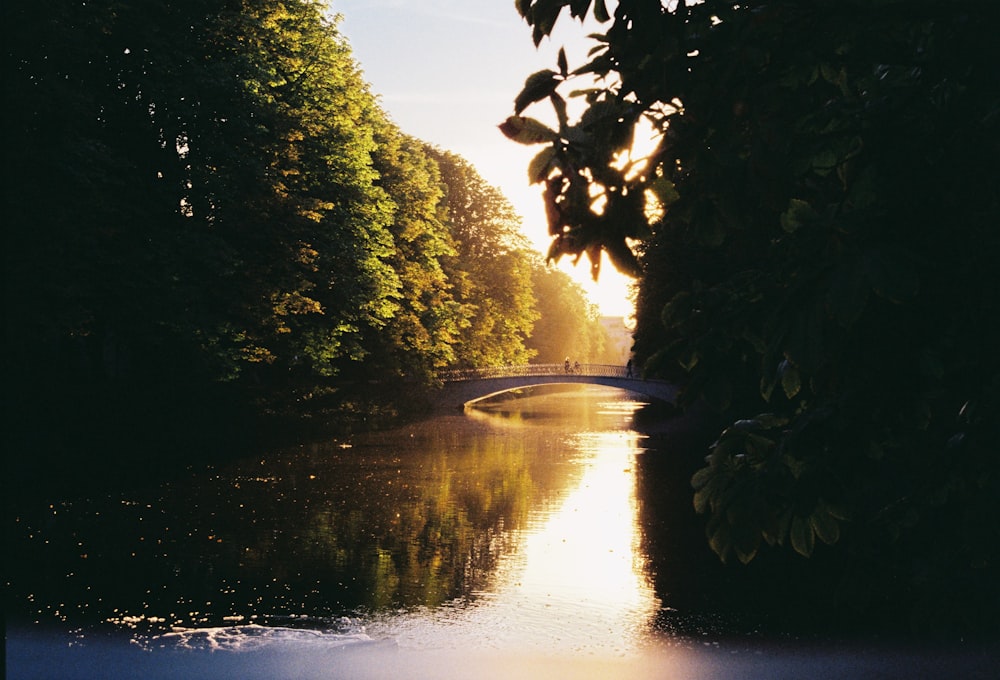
(514,539)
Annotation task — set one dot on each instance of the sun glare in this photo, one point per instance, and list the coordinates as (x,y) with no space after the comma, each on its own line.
(581,565)
(588,550)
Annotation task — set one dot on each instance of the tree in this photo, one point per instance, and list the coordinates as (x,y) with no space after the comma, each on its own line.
(568,323)
(808,266)
(491,273)
(334,277)
(233,209)
(427,321)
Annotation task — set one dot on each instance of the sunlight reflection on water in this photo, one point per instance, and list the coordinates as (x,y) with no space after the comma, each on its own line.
(576,580)
(562,587)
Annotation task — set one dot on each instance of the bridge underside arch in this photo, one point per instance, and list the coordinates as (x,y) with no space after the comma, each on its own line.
(458,394)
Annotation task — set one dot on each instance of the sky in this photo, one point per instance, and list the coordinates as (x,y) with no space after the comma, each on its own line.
(447,72)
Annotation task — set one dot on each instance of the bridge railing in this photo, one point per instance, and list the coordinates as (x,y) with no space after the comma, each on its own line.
(528,370)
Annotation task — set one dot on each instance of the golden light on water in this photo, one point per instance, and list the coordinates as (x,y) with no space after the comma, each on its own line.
(576,582)
(571,578)
(587,551)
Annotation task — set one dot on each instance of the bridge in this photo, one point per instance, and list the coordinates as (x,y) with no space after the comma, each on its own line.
(463,387)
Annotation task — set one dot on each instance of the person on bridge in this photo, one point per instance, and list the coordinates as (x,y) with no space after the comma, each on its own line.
(628,369)
(566,364)
(576,366)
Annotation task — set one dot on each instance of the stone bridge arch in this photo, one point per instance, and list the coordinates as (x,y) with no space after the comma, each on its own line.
(465,387)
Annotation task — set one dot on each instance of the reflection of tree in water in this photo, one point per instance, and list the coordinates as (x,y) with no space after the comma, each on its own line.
(409,518)
(439,535)
(376,530)
(397,521)
(687,576)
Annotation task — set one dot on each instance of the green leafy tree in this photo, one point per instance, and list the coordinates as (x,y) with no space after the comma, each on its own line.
(201,166)
(126,280)
(335,278)
(233,207)
(568,324)
(818,238)
(427,321)
(491,272)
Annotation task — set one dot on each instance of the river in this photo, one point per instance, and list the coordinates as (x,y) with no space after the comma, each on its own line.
(521,539)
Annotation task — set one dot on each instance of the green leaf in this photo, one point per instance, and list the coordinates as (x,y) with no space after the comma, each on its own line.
(622,257)
(746,545)
(543,18)
(719,537)
(825,526)
(833,75)
(538,169)
(837,511)
(791,381)
(758,445)
(577,8)
(803,538)
(601,65)
(777,528)
(768,381)
(688,360)
(664,190)
(769,421)
(524,130)
(799,212)
(561,61)
(602,115)
(824,162)
(601,11)
(559,104)
(795,466)
(701,477)
(537,86)
(701,501)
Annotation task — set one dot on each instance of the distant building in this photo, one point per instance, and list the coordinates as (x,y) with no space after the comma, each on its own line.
(619,347)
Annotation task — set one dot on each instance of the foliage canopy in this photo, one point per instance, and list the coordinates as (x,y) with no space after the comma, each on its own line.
(208,200)
(818,248)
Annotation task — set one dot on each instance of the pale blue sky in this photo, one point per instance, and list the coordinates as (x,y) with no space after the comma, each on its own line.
(447,71)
